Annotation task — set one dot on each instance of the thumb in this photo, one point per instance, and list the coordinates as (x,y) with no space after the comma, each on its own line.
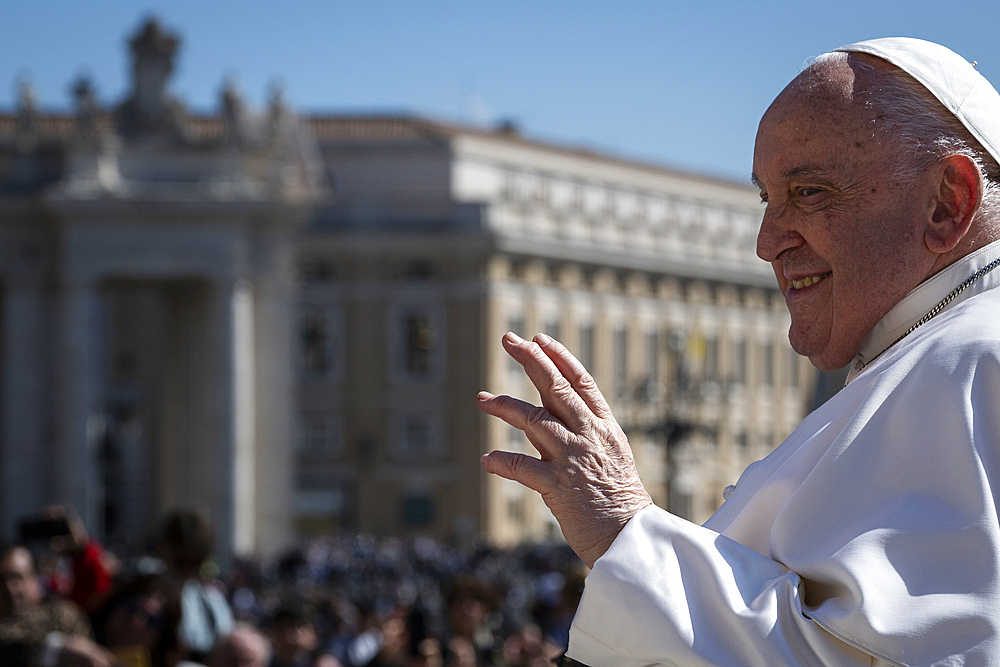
(521,468)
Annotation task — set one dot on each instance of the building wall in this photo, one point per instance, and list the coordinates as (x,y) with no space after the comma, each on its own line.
(404,342)
(647,274)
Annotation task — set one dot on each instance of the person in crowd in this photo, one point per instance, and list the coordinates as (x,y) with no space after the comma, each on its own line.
(294,639)
(470,639)
(185,544)
(245,646)
(92,567)
(139,623)
(40,630)
(871,535)
(526,647)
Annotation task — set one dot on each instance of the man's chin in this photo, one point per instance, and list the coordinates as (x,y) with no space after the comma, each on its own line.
(823,357)
(829,360)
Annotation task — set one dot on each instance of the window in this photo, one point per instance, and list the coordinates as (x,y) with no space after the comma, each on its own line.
(652,357)
(416,435)
(418,270)
(509,189)
(767,439)
(543,190)
(515,510)
(585,352)
(766,364)
(739,361)
(317,342)
(322,508)
(417,344)
(610,204)
(553,274)
(680,504)
(641,210)
(317,271)
(711,359)
(621,361)
(318,432)
(552,328)
(418,510)
(577,200)
(793,369)
(515,440)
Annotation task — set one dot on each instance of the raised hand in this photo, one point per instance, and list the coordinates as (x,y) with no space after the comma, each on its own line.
(585,472)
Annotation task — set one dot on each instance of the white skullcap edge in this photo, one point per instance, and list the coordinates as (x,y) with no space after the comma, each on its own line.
(949,77)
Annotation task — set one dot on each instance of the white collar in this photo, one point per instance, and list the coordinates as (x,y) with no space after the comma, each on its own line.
(920,301)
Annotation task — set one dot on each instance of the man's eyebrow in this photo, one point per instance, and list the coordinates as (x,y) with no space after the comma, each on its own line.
(806,171)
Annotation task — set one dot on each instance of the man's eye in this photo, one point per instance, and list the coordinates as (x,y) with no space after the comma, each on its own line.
(809,192)
(763,197)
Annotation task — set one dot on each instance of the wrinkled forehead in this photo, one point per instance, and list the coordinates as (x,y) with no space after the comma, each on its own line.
(835,85)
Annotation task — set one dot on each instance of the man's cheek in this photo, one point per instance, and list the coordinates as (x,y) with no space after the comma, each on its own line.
(779,276)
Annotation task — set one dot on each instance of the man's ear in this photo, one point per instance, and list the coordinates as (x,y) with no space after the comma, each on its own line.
(959,192)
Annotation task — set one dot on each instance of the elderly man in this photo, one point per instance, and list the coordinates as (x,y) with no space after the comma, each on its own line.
(871,535)
(39,631)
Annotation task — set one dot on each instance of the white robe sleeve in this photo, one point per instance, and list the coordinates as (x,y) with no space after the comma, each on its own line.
(669,592)
(871,536)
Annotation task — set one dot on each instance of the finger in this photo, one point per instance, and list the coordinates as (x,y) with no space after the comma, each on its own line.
(527,470)
(558,395)
(544,431)
(578,377)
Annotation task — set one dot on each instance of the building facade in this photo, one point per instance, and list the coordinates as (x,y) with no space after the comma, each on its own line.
(286,319)
(146,267)
(439,239)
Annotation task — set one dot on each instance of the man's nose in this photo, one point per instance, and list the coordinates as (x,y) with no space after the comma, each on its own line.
(776,236)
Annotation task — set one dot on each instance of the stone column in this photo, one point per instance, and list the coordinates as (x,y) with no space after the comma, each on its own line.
(79,415)
(236,496)
(24,463)
(275,299)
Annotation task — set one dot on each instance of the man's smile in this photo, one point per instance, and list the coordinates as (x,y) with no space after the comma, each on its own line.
(807,281)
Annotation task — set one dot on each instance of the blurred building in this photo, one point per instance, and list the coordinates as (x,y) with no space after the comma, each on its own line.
(286,319)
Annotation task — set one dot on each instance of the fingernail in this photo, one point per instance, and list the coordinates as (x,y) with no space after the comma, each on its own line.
(514,338)
(542,339)
(484,396)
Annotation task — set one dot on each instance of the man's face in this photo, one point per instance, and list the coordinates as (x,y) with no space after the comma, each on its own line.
(844,239)
(20,583)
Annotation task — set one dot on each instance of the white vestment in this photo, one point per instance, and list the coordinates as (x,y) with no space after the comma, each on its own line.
(869,537)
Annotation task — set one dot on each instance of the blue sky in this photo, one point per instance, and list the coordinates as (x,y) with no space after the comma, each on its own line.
(677,83)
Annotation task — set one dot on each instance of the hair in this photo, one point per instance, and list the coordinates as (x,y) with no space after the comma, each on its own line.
(187,535)
(292,613)
(923,130)
(7,550)
(126,593)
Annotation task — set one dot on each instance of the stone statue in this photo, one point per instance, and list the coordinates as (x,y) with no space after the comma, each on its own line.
(27,115)
(148,109)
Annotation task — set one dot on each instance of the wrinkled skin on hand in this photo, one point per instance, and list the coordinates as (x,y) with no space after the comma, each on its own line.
(585,472)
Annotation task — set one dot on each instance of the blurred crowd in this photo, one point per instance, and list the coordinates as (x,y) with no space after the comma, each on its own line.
(335,601)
